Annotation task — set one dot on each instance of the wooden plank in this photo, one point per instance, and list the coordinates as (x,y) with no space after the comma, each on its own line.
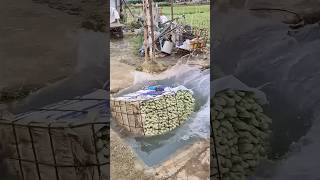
(116,25)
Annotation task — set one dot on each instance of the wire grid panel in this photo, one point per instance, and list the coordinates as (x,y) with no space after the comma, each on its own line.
(39,150)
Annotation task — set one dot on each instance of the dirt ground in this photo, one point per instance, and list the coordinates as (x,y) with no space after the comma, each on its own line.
(126,51)
(38,44)
(123,161)
(120,50)
(191,163)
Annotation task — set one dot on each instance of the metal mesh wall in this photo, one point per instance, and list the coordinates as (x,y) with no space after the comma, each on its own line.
(132,117)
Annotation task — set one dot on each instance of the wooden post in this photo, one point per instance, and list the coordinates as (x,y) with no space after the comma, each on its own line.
(149,65)
(150,15)
(172,10)
(145,31)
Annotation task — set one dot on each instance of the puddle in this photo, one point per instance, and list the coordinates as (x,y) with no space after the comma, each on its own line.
(154,150)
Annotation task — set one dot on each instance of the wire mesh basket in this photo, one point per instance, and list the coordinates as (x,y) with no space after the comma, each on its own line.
(61,141)
(153,116)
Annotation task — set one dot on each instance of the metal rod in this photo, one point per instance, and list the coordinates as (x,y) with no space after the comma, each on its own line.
(62,166)
(60,127)
(53,152)
(95,148)
(17,149)
(88,99)
(34,153)
(84,110)
(215,149)
(62,110)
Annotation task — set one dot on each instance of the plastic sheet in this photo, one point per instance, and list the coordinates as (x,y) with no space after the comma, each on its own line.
(232,83)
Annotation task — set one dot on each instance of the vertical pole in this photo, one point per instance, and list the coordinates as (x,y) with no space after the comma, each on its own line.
(171,9)
(172,33)
(152,55)
(145,31)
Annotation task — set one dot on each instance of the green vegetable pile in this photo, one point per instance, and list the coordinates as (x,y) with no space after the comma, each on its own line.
(241,132)
(167,112)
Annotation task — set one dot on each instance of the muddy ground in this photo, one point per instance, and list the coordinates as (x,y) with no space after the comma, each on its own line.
(124,55)
(37,45)
(93,13)
(41,40)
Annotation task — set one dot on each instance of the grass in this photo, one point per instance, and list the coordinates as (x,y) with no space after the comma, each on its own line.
(137,42)
(196,15)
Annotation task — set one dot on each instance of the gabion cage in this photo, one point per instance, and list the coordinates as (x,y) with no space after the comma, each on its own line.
(153,116)
(63,141)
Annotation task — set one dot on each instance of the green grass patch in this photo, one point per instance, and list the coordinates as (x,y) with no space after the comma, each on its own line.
(137,42)
(196,15)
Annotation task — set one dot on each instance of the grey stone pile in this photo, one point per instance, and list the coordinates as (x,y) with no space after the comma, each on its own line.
(153,116)
(167,113)
(241,132)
